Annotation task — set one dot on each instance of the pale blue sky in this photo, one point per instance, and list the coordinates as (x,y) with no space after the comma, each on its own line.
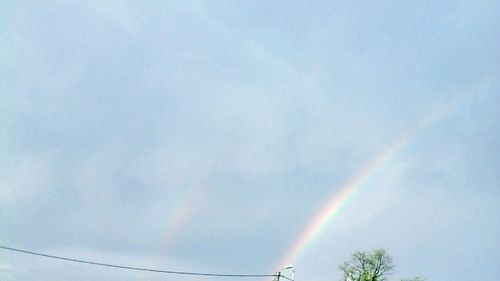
(204,136)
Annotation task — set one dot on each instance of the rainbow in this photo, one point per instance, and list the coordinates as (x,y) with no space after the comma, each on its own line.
(180,215)
(348,192)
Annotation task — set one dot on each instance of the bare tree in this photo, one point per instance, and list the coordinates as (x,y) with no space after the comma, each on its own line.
(364,266)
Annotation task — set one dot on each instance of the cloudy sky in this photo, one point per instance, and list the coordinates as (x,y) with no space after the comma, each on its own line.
(206,136)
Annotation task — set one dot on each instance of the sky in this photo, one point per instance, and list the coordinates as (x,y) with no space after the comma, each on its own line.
(207,136)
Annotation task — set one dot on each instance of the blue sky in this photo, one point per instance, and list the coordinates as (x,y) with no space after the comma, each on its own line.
(204,136)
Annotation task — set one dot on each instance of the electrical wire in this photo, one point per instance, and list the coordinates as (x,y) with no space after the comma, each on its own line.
(283,276)
(139,268)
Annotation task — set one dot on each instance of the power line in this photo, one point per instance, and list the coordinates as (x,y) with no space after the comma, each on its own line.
(137,268)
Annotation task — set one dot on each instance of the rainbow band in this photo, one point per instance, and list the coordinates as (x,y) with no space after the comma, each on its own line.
(341,199)
(333,208)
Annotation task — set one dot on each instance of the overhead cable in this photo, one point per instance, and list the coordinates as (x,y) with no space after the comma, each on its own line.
(138,268)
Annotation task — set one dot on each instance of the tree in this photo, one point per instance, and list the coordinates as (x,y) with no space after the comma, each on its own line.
(364,266)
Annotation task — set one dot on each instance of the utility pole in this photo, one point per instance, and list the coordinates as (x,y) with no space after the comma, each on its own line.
(286,274)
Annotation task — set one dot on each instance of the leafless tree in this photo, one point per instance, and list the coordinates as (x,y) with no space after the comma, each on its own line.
(364,266)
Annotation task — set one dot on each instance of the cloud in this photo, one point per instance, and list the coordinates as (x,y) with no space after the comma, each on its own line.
(25,179)
(226,126)
(6,271)
(119,14)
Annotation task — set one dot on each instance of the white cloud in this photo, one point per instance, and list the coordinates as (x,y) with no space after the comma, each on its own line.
(119,14)
(24,179)
(6,271)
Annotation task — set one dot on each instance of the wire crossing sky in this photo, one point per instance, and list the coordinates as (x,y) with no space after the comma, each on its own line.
(138,268)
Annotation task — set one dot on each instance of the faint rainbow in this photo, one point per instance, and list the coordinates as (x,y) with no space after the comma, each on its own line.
(180,215)
(347,193)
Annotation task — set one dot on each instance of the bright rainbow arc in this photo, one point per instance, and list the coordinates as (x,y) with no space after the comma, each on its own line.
(338,202)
